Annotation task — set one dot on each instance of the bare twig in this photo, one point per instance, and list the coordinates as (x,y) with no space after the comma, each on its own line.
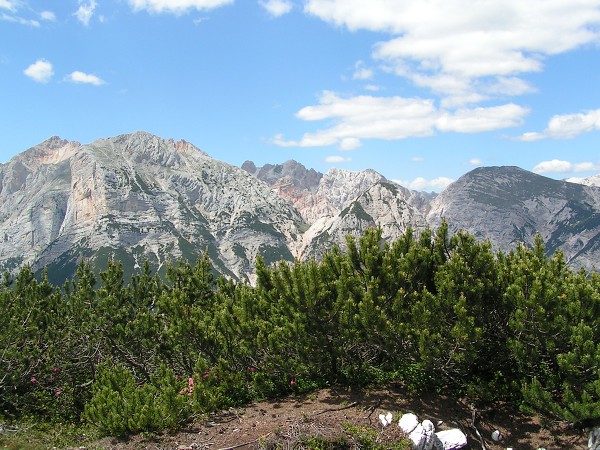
(351,405)
(232,447)
(473,418)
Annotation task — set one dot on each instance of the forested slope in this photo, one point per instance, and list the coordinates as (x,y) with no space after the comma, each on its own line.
(431,311)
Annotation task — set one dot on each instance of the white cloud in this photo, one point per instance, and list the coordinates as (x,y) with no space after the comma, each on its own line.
(84,78)
(422,184)
(86,11)
(361,72)
(417,159)
(48,16)
(393,118)
(365,117)
(475,162)
(11,5)
(350,143)
(277,8)
(176,6)
(337,159)
(478,120)
(40,71)
(464,49)
(372,87)
(19,20)
(559,166)
(566,126)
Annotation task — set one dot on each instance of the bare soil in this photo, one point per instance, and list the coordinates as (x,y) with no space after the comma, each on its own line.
(284,423)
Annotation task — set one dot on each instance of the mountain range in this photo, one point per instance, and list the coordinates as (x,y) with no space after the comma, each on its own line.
(139,197)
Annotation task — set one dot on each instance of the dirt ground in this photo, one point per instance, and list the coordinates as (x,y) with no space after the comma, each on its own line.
(324,413)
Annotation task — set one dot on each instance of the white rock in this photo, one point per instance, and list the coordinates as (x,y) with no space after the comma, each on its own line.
(385,419)
(408,422)
(594,439)
(452,439)
(496,435)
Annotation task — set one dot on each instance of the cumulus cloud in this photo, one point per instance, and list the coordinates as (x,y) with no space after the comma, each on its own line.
(566,126)
(40,71)
(86,11)
(475,162)
(84,78)
(176,6)
(467,50)
(276,8)
(393,118)
(477,120)
(422,184)
(337,159)
(559,166)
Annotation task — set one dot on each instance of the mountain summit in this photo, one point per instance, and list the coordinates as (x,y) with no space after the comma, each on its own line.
(138,196)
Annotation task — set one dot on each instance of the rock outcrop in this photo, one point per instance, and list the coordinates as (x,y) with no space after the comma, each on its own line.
(137,196)
(509,205)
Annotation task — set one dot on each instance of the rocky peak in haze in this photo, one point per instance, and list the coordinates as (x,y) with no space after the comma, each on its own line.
(509,205)
(289,173)
(313,194)
(594,180)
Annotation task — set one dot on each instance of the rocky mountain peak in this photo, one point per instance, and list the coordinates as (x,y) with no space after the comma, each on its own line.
(289,173)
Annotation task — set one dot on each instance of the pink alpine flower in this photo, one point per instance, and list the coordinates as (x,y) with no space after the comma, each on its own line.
(33,380)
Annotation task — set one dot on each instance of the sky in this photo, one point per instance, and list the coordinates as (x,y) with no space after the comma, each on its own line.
(421,91)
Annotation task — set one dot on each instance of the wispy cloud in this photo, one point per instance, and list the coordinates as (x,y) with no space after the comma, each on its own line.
(277,8)
(560,166)
(422,184)
(393,118)
(20,20)
(13,13)
(48,16)
(40,71)
(475,162)
(10,5)
(176,6)
(337,159)
(86,11)
(566,126)
(84,78)
(361,72)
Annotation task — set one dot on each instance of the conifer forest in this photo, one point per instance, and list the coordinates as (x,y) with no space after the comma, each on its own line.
(432,311)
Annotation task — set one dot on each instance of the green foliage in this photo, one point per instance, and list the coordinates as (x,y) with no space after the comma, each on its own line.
(431,311)
(119,406)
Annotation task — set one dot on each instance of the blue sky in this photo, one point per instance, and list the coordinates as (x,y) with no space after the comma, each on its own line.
(421,91)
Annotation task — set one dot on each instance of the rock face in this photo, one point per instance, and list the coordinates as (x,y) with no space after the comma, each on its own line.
(507,205)
(594,180)
(386,205)
(342,202)
(137,196)
(314,195)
